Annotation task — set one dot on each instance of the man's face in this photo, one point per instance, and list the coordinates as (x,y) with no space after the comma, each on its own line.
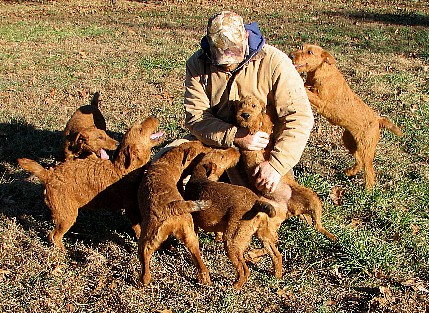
(228,59)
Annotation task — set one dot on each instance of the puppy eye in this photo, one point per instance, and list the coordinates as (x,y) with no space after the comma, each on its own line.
(310,52)
(253,105)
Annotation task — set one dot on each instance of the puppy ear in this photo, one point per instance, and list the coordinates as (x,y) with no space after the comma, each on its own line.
(234,106)
(210,168)
(128,153)
(328,57)
(73,138)
(187,155)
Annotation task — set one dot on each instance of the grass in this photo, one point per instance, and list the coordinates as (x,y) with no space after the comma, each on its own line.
(55,54)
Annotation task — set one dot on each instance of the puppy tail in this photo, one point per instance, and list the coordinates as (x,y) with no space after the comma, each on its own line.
(35,168)
(260,206)
(265,207)
(95,99)
(182,207)
(385,123)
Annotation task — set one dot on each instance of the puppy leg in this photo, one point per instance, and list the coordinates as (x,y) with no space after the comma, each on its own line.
(235,251)
(269,236)
(62,226)
(185,232)
(352,145)
(372,136)
(147,246)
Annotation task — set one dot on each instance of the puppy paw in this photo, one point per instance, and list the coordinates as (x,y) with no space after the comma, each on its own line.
(204,278)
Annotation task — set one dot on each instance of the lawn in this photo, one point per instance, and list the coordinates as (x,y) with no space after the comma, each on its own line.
(55,55)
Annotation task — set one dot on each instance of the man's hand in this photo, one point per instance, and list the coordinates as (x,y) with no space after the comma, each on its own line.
(247,141)
(266,177)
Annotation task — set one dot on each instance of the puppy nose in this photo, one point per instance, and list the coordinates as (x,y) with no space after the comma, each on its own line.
(245,115)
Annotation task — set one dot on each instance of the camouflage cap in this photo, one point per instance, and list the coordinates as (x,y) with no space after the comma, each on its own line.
(227,38)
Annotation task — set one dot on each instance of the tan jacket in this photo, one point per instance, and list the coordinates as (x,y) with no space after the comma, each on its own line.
(271,77)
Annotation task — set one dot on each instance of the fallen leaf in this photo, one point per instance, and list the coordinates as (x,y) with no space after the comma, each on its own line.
(82,54)
(57,271)
(355,223)
(416,285)
(4,272)
(49,101)
(285,293)
(415,229)
(336,195)
(83,93)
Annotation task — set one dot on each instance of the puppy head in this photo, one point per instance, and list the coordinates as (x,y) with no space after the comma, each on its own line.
(91,140)
(217,161)
(310,57)
(249,112)
(138,141)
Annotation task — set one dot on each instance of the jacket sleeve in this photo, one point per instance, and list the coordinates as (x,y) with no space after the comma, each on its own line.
(200,120)
(295,117)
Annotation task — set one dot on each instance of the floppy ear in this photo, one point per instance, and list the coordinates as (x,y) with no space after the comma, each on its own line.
(128,153)
(328,58)
(73,138)
(234,106)
(187,155)
(210,168)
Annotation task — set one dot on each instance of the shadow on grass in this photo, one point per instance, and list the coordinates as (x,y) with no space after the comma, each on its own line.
(406,19)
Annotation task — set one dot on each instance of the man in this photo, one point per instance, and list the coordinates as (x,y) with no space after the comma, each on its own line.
(234,61)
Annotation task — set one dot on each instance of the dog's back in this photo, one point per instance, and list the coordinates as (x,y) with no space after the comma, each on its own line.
(86,116)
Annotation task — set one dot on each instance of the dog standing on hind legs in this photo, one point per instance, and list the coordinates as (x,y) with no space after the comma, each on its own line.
(333,98)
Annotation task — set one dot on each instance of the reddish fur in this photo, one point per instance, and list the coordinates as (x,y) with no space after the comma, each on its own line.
(96,183)
(236,211)
(85,133)
(164,210)
(332,97)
